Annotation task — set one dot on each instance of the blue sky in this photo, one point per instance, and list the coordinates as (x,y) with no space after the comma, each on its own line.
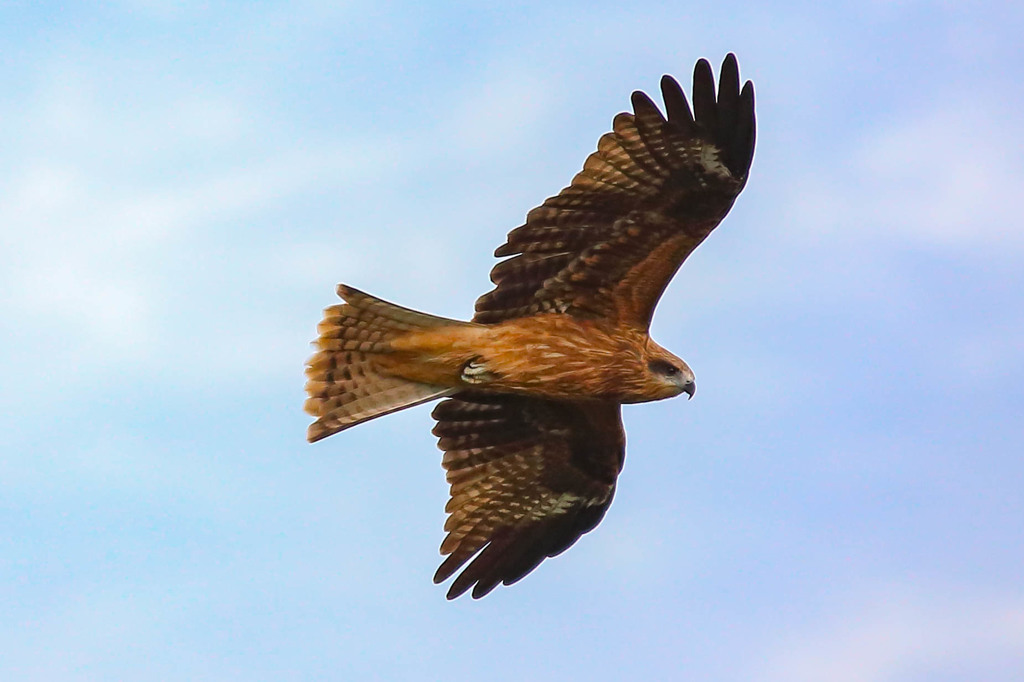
(182,185)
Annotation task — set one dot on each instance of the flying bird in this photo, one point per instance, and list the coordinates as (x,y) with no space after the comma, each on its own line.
(531,424)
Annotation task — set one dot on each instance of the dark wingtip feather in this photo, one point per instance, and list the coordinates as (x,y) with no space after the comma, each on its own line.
(505,249)
(675,101)
(450,565)
(642,104)
(746,130)
(728,97)
(482,589)
(478,568)
(705,111)
(729,64)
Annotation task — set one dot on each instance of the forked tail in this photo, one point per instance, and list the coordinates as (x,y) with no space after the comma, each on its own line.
(344,384)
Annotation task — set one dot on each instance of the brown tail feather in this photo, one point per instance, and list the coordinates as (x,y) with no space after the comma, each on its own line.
(345,386)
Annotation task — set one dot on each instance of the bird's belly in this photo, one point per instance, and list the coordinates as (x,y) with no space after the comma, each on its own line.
(560,361)
(550,356)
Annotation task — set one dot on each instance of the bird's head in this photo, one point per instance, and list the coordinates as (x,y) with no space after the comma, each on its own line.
(667,375)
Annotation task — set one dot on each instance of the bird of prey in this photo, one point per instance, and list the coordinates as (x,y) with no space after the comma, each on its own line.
(531,424)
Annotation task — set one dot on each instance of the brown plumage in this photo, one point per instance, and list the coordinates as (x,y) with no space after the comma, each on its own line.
(531,426)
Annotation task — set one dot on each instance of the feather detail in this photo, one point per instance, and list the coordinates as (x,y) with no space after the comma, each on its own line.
(649,195)
(346,380)
(528,478)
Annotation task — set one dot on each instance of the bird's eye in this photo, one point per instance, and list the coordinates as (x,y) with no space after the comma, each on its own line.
(662,367)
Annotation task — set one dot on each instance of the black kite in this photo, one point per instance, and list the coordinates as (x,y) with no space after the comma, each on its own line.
(531,427)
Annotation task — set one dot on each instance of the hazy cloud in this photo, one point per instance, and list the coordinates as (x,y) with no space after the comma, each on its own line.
(899,637)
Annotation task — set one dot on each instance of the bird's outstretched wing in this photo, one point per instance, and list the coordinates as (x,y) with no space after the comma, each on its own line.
(607,245)
(528,478)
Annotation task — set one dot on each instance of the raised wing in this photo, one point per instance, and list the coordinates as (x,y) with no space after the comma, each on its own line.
(528,478)
(607,245)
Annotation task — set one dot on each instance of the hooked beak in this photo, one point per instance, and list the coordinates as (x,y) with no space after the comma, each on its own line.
(689,388)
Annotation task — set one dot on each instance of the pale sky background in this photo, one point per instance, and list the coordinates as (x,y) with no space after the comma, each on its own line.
(182,185)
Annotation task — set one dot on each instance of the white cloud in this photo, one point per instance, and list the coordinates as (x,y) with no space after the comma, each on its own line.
(97,200)
(109,192)
(896,638)
(495,116)
(953,177)
(988,353)
(949,178)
